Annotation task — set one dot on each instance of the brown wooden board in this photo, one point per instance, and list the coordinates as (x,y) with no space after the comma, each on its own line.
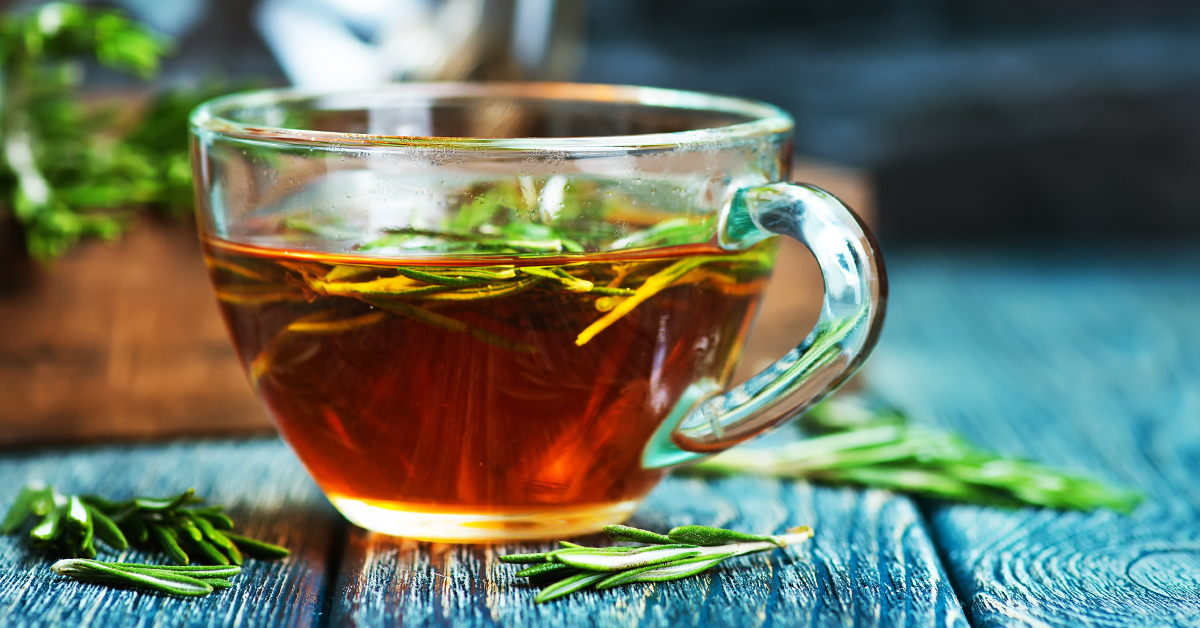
(120,340)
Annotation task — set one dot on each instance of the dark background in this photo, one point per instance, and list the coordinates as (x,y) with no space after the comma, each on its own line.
(979,120)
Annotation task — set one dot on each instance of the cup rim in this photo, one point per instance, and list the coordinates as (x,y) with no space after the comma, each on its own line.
(766,119)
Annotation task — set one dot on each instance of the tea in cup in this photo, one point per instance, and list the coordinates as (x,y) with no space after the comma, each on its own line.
(505,311)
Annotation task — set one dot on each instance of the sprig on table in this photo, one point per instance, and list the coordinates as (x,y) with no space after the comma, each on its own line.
(70,525)
(684,551)
(849,440)
(186,581)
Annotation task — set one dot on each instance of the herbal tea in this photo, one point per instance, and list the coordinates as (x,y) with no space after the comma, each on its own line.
(458,386)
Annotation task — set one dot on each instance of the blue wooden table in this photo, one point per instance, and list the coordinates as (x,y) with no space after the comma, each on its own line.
(1085,361)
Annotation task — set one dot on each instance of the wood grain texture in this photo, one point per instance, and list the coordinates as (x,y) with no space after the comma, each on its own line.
(870,564)
(120,340)
(1085,361)
(269,495)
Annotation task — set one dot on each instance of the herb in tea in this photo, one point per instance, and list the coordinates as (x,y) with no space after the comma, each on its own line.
(547,374)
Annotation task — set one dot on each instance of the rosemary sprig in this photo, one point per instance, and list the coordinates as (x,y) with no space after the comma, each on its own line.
(851,441)
(684,551)
(413,291)
(191,581)
(179,524)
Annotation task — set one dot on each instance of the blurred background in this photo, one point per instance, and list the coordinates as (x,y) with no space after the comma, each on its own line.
(961,122)
(979,119)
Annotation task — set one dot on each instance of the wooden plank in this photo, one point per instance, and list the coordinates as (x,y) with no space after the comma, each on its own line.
(269,495)
(1083,360)
(870,564)
(118,340)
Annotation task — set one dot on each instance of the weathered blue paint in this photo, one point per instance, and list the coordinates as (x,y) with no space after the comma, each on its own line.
(1088,362)
(870,564)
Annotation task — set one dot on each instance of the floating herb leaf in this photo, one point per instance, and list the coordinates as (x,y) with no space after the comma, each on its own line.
(851,441)
(662,557)
(413,292)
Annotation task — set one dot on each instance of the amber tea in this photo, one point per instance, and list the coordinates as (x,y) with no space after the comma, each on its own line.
(467,387)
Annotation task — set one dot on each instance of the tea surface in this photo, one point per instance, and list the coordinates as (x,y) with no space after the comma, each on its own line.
(433,385)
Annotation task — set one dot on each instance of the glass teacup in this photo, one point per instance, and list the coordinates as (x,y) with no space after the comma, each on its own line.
(504,311)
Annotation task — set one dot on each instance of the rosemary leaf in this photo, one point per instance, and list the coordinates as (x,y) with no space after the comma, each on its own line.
(853,441)
(708,536)
(652,286)
(190,529)
(50,527)
(603,561)
(523,558)
(673,231)
(455,277)
(545,569)
(170,543)
(163,581)
(22,508)
(635,535)
(79,521)
(161,505)
(106,530)
(210,553)
(217,538)
(201,572)
(215,510)
(569,585)
(659,560)
(572,284)
(552,556)
(674,570)
(257,549)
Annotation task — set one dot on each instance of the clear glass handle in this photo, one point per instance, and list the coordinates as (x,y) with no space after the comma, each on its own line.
(704,422)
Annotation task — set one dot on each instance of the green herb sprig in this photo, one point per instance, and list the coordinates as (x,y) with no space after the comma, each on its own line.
(683,552)
(186,581)
(70,171)
(181,525)
(848,440)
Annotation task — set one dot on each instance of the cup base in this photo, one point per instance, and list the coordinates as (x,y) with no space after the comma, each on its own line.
(410,521)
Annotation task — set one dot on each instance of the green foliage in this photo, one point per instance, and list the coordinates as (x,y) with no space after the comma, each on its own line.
(66,171)
(851,441)
(70,524)
(182,581)
(660,558)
